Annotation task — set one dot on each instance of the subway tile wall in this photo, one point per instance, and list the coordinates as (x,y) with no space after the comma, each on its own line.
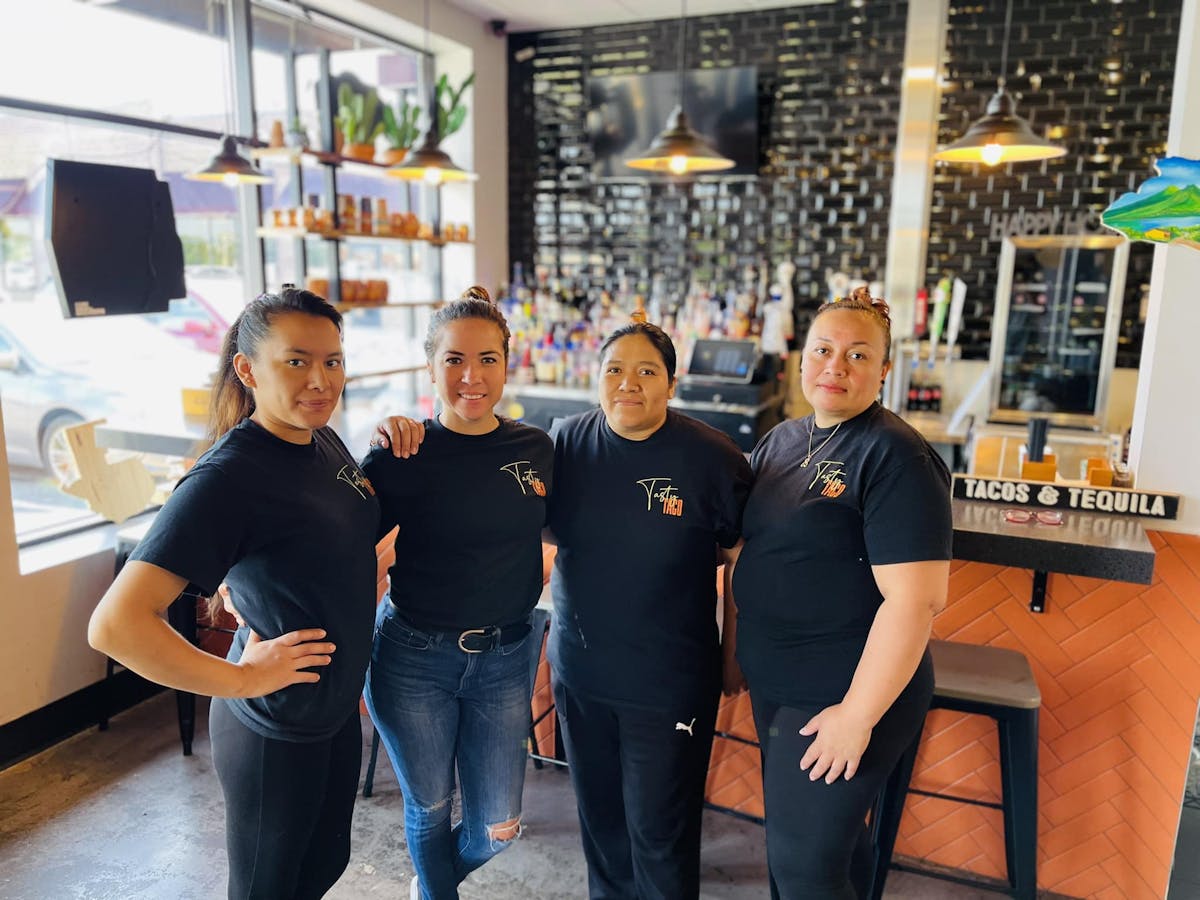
(829,98)
(1095,73)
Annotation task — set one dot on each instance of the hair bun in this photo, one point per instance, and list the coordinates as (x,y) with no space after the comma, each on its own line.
(477,292)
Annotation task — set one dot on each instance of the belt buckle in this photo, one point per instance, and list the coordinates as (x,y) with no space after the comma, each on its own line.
(468,632)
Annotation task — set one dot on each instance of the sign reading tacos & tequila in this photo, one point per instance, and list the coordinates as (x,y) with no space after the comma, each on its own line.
(1119,501)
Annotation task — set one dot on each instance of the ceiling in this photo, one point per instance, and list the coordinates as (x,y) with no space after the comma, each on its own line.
(538,15)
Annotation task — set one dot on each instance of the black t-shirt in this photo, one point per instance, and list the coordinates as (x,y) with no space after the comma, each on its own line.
(471,508)
(875,494)
(638,524)
(291,528)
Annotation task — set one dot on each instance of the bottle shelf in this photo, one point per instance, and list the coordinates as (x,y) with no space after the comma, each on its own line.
(271,231)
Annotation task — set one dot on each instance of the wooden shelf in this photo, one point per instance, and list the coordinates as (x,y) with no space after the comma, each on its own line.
(391,304)
(295,154)
(271,231)
(298,232)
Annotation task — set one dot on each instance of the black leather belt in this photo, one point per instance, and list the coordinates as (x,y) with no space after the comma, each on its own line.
(480,640)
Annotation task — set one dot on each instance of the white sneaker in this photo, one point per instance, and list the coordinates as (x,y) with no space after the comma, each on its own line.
(414,889)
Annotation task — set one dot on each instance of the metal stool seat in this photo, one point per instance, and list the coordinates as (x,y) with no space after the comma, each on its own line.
(989,681)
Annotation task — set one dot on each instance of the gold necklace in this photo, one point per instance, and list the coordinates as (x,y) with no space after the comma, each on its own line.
(811,451)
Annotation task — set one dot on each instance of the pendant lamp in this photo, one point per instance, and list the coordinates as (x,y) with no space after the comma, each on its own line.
(429,162)
(678,149)
(230,167)
(1001,136)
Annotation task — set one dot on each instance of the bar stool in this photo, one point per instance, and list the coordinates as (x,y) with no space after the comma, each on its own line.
(988,681)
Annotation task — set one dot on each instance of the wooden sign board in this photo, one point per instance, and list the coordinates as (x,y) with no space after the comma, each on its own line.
(1047,495)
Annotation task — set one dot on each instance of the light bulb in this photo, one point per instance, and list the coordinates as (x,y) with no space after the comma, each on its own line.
(678,164)
(230,178)
(433,175)
(992,154)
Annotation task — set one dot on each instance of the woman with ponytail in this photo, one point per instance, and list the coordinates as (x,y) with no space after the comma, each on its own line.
(449,681)
(277,508)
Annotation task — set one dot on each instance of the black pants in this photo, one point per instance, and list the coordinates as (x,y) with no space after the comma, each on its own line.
(288,807)
(818,845)
(639,780)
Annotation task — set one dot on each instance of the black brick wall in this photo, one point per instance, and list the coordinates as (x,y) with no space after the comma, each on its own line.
(829,82)
(1094,75)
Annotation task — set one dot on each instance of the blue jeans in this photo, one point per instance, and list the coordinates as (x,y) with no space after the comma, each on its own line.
(436,708)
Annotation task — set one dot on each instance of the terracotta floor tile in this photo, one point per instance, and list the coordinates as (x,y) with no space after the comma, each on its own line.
(1178,576)
(1134,869)
(1107,630)
(1092,733)
(1086,884)
(963,609)
(981,630)
(1084,798)
(1163,803)
(1159,840)
(1102,696)
(1121,654)
(1176,614)
(1179,702)
(1089,765)
(1169,647)
(1060,839)
(1160,758)
(1083,855)
(1188,548)
(1032,637)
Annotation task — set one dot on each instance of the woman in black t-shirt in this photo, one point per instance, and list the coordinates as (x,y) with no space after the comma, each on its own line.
(449,680)
(277,508)
(847,541)
(645,501)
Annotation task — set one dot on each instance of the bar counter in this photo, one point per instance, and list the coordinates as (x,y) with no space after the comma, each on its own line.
(1117,658)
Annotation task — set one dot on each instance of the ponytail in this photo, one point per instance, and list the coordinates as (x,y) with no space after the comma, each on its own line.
(231,400)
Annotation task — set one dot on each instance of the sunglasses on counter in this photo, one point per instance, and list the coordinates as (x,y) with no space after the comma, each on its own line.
(1041,516)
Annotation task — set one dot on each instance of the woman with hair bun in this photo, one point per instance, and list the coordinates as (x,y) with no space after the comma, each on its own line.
(278,509)
(846,558)
(449,683)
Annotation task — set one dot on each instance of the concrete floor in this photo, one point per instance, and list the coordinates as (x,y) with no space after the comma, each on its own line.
(123,815)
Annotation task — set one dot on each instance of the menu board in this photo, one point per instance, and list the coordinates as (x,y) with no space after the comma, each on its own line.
(1054,338)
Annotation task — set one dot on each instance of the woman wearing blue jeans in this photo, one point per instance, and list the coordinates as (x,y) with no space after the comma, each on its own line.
(448,686)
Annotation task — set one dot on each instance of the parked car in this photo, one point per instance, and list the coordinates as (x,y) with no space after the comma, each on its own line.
(195,320)
(55,373)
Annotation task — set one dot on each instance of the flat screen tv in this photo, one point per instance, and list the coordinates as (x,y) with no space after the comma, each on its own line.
(111,237)
(626,112)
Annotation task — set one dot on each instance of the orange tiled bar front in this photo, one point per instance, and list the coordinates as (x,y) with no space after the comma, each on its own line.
(1119,669)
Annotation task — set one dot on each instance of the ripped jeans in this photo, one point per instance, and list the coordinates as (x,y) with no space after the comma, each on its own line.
(438,709)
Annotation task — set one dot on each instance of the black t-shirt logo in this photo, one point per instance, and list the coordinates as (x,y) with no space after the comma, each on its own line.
(526,474)
(829,474)
(356,480)
(660,491)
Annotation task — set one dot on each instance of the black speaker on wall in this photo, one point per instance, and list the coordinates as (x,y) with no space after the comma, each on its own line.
(111,239)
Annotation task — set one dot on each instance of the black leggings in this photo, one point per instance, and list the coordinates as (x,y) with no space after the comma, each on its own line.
(818,845)
(288,807)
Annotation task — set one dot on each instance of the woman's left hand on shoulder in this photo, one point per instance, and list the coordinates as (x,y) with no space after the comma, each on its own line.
(841,739)
(402,434)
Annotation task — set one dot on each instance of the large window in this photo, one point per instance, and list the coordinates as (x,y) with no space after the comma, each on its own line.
(166,66)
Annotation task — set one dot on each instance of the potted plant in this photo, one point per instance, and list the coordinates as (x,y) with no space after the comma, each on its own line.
(356,120)
(297,134)
(451,111)
(400,130)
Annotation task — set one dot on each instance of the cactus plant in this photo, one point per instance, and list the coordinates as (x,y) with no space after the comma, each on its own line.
(357,115)
(450,109)
(400,125)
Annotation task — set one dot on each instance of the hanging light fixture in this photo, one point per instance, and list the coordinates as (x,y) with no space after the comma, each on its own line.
(230,167)
(678,149)
(429,162)
(1001,136)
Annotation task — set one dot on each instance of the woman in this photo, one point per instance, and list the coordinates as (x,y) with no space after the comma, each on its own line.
(645,499)
(845,563)
(448,685)
(278,509)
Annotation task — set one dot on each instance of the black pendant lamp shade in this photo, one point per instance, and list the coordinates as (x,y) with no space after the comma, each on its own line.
(677,149)
(230,167)
(431,164)
(1001,136)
